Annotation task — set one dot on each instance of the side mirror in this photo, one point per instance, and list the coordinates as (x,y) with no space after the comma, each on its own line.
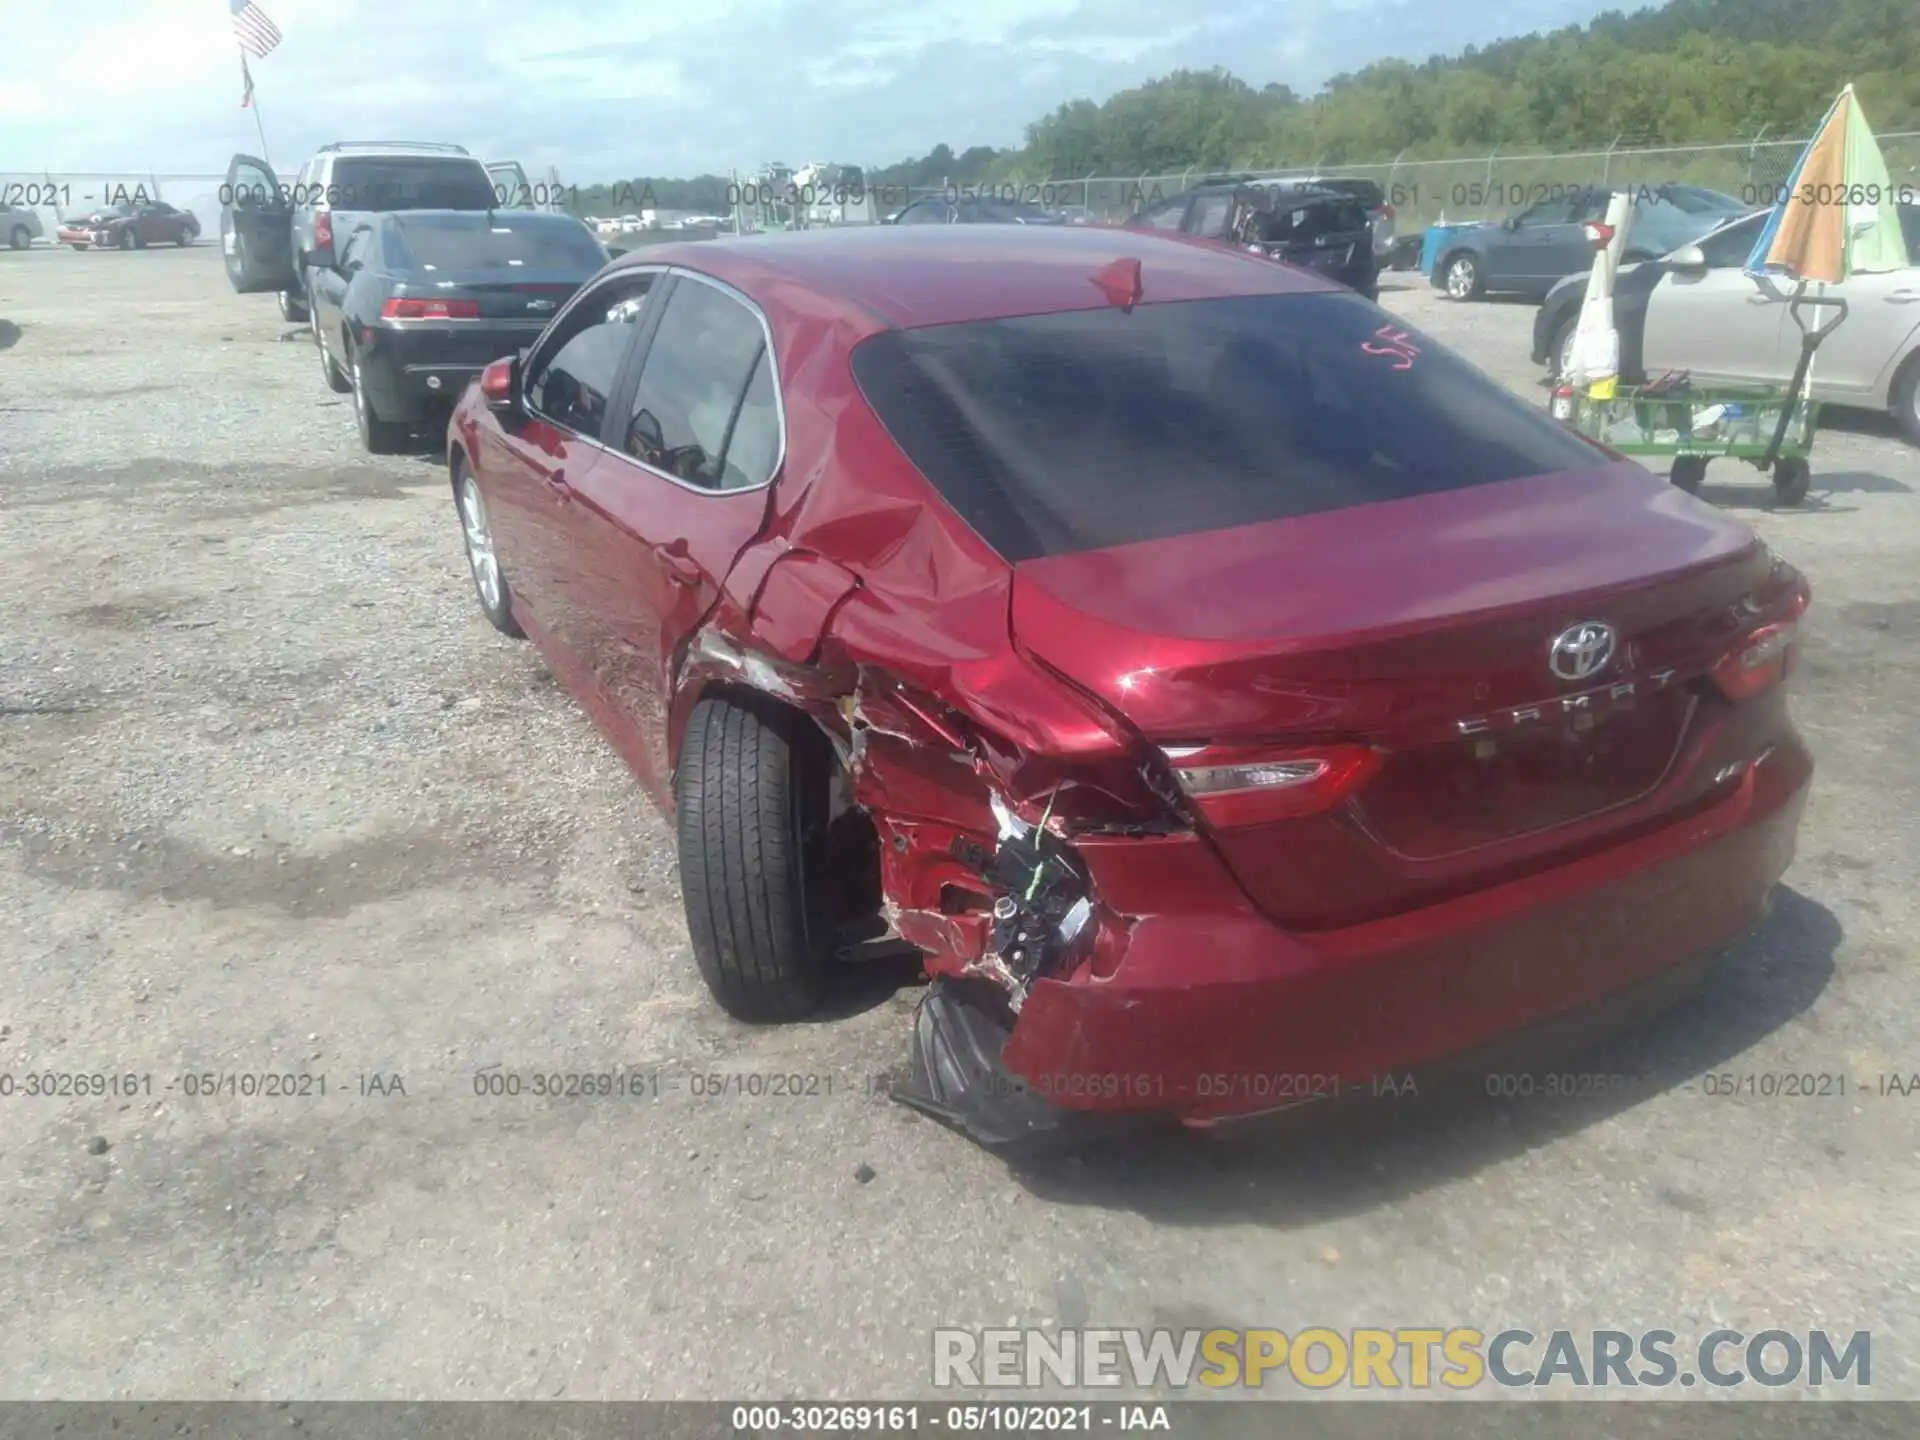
(500,386)
(1688,257)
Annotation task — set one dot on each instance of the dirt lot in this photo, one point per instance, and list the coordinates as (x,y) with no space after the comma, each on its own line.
(275,800)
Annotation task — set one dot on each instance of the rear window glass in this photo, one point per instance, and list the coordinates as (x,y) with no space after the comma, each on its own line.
(1051,434)
(406,182)
(1307,218)
(512,244)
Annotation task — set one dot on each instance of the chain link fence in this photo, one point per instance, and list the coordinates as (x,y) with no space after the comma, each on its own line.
(1427,191)
(1422,191)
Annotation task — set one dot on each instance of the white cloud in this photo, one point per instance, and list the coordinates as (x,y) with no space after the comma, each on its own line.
(605,88)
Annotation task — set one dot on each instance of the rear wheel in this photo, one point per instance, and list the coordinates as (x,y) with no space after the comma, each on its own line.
(750,792)
(18,237)
(1689,471)
(1561,351)
(79,247)
(1792,478)
(1906,397)
(1463,279)
(127,240)
(381,437)
(329,370)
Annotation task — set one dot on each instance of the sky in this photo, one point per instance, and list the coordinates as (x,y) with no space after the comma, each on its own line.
(604,89)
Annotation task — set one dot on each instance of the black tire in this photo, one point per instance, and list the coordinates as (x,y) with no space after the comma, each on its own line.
(329,369)
(291,306)
(79,247)
(128,240)
(747,783)
(1559,347)
(381,437)
(1688,472)
(1460,274)
(1906,398)
(498,608)
(18,237)
(1792,478)
(185,238)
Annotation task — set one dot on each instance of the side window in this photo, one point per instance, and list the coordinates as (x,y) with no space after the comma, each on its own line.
(359,248)
(254,187)
(1729,249)
(1910,229)
(1210,216)
(1165,216)
(704,410)
(1547,212)
(924,212)
(572,385)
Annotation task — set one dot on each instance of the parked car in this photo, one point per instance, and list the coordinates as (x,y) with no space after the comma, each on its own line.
(1188,719)
(972,210)
(1697,310)
(1326,231)
(20,225)
(342,184)
(131,226)
(1369,194)
(1529,253)
(419,301)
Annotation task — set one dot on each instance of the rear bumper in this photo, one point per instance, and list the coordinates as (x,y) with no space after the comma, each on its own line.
(415,374)
(1212,1011)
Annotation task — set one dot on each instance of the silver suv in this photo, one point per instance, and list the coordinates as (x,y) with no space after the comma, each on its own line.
(350,179)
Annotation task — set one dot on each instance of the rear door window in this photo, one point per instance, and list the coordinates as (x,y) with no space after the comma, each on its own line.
(704,410)
(1057,433)
(409,182)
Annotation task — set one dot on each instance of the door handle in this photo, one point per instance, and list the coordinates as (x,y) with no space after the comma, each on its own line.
(1903,296)
(678,562)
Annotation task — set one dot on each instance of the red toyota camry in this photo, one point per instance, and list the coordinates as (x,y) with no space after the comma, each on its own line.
(1233,693)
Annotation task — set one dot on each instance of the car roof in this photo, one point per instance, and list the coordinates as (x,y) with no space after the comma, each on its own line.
(477,219)
(939,275)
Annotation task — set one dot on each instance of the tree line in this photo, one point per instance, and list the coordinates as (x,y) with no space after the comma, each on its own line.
(1689,72)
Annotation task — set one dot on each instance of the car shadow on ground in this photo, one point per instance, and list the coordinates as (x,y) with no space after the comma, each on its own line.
(1323,1162)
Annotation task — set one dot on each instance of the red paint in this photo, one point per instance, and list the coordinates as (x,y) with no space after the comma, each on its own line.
(1432,896)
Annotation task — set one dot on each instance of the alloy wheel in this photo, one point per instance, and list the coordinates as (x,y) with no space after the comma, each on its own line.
(480,553)
(1460,278)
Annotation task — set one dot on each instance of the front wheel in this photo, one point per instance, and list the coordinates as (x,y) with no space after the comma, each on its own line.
(748,792)
(1463,278)
(185,238)
(483,559)
(79,247)
(329,370)
(1906,398)
(291,307)
(19,239)
(1792,478)
(126,240)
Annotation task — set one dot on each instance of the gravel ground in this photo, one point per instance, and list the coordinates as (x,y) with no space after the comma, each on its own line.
(274,799)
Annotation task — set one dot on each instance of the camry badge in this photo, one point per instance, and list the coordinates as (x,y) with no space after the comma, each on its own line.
(1581,650)
(541,305)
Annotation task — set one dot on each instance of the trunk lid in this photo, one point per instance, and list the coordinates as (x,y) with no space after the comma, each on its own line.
(1421,627)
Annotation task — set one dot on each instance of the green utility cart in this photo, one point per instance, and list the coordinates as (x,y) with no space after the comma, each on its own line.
(1695,425)
(1770,427)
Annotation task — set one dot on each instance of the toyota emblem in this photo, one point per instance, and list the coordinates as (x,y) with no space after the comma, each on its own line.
(1581,651)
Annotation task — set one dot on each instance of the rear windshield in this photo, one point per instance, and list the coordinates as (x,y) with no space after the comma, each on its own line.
(1367,192)
(409,182)
(1302,219)
(1051,434)
(450,243)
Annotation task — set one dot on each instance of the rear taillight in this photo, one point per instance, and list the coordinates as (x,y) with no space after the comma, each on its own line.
(1760,663)
(323,230)
(398,309)
(1242,785)
(1599,234)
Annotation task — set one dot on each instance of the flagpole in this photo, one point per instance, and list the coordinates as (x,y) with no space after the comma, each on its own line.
(253,97)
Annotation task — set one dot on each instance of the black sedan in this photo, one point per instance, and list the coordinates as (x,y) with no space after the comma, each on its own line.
(419,302)
(1323,230)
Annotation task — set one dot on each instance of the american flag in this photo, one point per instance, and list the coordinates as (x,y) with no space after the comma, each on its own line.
(251,27)
(246,96)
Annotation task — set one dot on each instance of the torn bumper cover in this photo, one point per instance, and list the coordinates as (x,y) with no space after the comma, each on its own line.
(1206,1010)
